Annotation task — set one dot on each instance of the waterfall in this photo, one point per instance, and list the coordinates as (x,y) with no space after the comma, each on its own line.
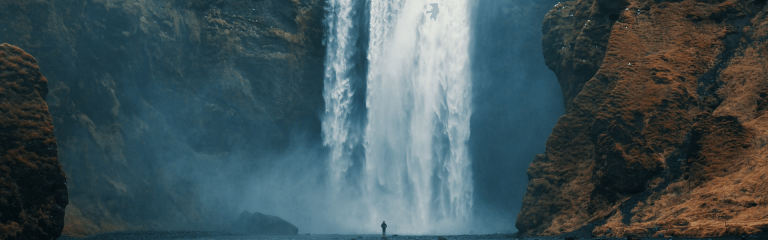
(397,95)
(344,89)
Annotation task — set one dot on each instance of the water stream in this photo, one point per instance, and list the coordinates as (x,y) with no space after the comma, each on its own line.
(397,94)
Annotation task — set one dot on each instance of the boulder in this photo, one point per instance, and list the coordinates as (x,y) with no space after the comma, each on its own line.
(262,224)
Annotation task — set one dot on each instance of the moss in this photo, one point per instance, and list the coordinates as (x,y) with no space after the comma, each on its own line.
(25,165)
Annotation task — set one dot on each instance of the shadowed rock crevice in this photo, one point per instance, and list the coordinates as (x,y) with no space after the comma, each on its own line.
(516,102)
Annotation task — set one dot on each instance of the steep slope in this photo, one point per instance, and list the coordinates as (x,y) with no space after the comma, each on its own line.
(665,123)
(152,99)
(33,188)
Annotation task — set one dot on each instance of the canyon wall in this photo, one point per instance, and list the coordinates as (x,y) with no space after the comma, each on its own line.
(665,127)
(153,99)
(33,187)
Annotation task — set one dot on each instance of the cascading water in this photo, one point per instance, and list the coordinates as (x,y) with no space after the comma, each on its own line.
(398,145)
(344,89)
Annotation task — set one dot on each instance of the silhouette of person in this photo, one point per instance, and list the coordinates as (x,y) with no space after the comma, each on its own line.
(383,228)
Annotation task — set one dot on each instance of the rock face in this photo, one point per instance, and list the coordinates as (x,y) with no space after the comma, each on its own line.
(259,223)
(151,99)
(665,127)
(33,188)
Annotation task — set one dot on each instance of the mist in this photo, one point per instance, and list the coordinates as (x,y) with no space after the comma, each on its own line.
(166,119)
(515,101)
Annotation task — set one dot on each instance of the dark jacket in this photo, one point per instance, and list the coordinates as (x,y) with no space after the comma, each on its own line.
(384,225)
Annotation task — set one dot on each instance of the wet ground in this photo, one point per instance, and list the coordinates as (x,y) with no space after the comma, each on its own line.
(201,235)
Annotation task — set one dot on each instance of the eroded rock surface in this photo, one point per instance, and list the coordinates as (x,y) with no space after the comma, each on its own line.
(33,188)
(665,126)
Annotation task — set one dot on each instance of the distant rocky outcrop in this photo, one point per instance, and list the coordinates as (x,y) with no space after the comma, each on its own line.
(262,224)
(665,127)
(149,96)
(33,188)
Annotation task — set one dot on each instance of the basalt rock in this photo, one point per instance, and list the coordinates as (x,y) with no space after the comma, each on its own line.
(33,188)
(665,127)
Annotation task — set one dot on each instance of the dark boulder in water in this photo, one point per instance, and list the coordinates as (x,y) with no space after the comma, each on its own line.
(33,190)
(262,224)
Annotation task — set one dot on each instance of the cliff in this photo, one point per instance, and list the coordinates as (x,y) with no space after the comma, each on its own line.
(153,99)
(33,187)
(665,127)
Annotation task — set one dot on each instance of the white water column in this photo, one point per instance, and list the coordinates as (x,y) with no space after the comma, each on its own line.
(338,91)
(416,174)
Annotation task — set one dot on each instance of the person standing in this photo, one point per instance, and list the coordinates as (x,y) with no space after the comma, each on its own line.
(383,228)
